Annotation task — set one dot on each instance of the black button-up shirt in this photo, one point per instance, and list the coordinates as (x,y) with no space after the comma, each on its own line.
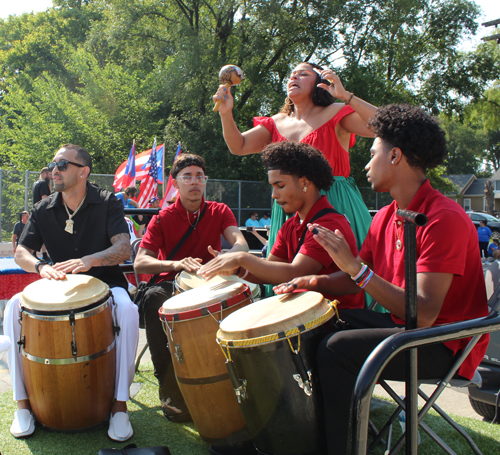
(99,219)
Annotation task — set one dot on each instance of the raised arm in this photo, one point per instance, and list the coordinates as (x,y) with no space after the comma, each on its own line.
(251,141)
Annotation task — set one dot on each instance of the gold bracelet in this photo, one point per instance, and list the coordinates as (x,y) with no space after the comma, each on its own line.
(349,100)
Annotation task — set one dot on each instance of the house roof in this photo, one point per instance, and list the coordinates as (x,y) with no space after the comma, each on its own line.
(476,188)
(462,181)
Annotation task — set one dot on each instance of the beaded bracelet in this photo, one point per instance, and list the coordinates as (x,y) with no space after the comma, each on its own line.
(349,100)
(363,277)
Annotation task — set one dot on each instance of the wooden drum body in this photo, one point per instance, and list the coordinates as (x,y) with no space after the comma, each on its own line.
(191,320)
(68,348)
(185,281)
(271,350)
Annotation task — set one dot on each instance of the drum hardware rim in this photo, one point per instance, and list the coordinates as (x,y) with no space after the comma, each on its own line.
(203,381)
(69,361)
(62,315)
(206,311)
(273,337)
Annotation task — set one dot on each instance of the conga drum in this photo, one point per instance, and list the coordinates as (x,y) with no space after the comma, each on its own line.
(191,320)
(185,281)
(68,348)
(271,348)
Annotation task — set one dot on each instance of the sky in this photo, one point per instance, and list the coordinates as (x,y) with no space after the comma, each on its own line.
(491,10)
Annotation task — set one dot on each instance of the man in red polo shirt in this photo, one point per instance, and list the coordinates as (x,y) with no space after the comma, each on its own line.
(209,220)
(297,173)
(450,282)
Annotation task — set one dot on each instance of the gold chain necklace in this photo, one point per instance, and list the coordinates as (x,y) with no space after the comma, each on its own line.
(70,222)
(197,219)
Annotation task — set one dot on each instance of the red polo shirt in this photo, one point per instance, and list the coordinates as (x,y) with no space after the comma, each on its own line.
(447,244)
(166,229)
(289,236)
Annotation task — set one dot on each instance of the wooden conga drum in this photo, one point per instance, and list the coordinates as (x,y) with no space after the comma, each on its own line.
(271,349)
(191,320)
(68,348)
(185,281)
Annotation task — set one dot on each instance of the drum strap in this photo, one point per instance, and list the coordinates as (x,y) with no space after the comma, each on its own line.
(179,244)
(318,215)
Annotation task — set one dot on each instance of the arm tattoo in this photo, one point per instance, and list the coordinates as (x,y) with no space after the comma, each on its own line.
(117,253)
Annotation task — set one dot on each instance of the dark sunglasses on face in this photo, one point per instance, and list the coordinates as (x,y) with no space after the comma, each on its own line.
(62,165)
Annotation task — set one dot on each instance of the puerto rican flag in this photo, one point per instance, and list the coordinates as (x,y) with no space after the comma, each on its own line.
(142,166)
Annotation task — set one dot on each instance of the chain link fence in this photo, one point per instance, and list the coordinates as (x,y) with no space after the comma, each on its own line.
(242,197)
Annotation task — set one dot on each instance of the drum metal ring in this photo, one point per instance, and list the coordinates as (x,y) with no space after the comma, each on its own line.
(64,317)
(72,360)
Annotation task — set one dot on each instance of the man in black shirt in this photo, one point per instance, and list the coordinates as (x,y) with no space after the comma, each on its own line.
(41,188)
(84,230)
(18,229)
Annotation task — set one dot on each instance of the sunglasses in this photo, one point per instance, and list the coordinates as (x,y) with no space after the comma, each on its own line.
(62,165)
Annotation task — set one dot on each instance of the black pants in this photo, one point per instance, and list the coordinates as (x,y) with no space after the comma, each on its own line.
(154,298)
(483,249)
(341,356)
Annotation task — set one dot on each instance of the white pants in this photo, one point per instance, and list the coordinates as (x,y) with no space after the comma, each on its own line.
(127,318)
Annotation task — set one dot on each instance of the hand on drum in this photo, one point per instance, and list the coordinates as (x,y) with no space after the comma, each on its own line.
(46,271)
(225,95)
(188,264)
(304,282)
(74,265)
(224,264)
(337,90)
(337,247)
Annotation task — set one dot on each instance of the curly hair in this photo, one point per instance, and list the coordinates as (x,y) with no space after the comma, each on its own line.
(415,132)
(320,97)
(299,159)
(187,160)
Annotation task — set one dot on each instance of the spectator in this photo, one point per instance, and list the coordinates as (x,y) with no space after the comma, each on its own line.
(484,234)
(18,229)
(493,249)
(41,188)
(253,220)
(143,220)
(127,196)
(265,221)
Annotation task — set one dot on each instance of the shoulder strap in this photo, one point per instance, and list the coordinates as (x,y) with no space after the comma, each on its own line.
(179,243)
(318,215)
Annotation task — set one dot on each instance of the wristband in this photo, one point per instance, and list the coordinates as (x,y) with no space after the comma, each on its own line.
(245,275)
(38,264)
(361,271)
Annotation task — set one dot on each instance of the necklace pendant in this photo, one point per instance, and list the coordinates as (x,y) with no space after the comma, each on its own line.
(69,226)
(399,244)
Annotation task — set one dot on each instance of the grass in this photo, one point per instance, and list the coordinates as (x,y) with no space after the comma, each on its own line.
(151,429)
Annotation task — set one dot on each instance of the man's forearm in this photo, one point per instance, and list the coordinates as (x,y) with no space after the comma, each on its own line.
(24,258)
(116,254)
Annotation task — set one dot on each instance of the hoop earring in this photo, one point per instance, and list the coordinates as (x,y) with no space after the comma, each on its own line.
(288,101)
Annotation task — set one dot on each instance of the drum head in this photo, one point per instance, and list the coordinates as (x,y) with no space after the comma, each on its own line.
(275,315)
(189,280)
(188,305)
(75,291)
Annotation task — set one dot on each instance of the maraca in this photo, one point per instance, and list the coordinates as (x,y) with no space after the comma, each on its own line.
(229,75)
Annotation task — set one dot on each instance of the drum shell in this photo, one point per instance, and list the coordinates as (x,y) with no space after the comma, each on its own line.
(75,395)
(202,375)
(281,418)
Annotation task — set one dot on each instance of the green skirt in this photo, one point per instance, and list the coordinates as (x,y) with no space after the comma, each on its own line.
(345,197)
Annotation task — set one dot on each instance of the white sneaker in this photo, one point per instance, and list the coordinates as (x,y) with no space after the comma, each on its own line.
(120,428)
(23,424)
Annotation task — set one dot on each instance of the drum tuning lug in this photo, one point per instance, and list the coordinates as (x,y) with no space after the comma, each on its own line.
(305,385)
(241,391)
(178,353)
(21,342)
(116,329)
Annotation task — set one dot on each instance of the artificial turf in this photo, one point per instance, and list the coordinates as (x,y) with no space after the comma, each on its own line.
(152,429)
